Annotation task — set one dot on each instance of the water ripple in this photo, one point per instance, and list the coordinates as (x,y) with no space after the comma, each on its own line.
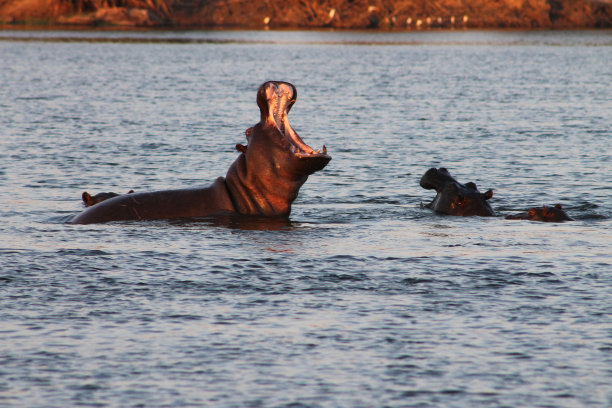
(361,298)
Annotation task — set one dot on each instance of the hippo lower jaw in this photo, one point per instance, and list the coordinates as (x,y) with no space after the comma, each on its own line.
(297,145)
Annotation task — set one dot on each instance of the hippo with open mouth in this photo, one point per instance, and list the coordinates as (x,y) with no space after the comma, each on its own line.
(453,197)
(545,214)
(264,180)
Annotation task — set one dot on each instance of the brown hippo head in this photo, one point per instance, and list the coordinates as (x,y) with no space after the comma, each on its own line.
(545,214)
(266,177)
(453,197)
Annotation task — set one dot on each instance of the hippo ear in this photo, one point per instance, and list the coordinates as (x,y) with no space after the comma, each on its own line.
(531,212)
(488,194)
(130,192)
(558,206)
(86,197)
(241,148)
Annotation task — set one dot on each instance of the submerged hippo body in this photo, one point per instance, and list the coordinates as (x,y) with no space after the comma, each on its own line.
(454,198)
(545,214)
(264,180)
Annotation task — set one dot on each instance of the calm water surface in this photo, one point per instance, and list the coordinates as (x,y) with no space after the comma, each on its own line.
(361,299)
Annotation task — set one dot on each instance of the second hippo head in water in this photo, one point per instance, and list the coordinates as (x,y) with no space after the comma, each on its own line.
(454,198)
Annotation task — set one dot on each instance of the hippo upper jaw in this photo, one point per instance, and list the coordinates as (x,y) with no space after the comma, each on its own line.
(436,179)
(275,99)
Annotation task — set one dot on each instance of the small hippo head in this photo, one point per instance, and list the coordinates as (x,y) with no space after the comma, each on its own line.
(545,214)
(89,200)
(454,198)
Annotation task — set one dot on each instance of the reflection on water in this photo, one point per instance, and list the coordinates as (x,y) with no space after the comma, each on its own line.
(360,298)
(319,37)
(237,221)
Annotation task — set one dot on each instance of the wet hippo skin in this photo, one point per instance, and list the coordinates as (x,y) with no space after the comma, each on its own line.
(264,180)
(545,214)
(454,198)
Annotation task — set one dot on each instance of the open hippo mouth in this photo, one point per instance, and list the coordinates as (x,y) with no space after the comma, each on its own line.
(275,100)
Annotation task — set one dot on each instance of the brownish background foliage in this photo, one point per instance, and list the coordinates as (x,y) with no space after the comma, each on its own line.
(382,14)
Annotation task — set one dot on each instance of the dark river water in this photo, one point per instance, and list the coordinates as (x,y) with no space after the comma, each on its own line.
(361,298)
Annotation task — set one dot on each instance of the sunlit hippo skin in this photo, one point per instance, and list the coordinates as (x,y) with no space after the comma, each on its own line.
(89,200)
(454,198)
(264,180)
(545,214)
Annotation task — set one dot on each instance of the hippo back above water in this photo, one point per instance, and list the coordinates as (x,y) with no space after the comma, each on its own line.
(454,198)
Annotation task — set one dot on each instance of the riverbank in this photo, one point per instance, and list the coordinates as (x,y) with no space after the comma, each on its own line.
(342,14)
